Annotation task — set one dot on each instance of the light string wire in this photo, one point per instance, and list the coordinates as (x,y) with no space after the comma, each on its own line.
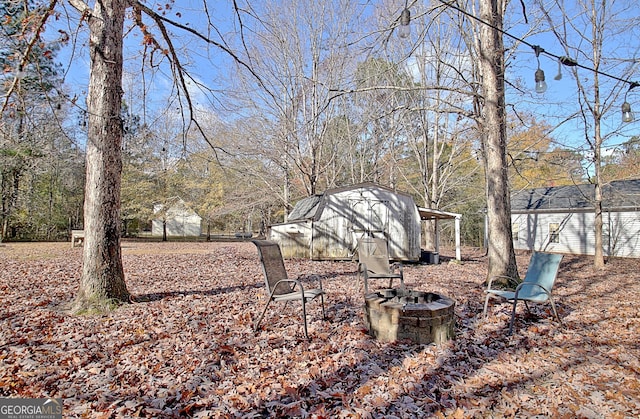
(567,61)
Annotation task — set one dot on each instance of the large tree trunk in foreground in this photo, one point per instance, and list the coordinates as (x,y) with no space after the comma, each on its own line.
(102,284)
(502,258)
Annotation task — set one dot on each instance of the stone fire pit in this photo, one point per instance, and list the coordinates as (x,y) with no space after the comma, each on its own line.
(397,314)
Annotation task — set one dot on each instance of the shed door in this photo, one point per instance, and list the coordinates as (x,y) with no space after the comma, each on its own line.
(369,218)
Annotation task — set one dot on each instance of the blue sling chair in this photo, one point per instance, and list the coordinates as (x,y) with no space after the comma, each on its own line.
(536,287)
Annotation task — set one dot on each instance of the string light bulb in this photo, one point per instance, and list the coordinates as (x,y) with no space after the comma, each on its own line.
(559,75)
(627,115)
(541,84)
(404,30)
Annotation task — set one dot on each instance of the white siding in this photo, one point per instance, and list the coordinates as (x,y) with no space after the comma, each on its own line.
(577,236)
(623,238)
(352,214)
(180,221)
(182,226)
(294,238)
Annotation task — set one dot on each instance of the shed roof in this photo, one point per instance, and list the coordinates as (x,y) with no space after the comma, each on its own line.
(432,214)
(622,194)
(307,208)
(175,206)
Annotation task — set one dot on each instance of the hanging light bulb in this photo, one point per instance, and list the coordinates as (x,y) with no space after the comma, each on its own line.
(404,30)
(627,115)
(559,75)
(541,85)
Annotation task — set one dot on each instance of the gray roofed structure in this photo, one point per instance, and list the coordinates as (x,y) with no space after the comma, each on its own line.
(617,194)
(305,209)
(328,226)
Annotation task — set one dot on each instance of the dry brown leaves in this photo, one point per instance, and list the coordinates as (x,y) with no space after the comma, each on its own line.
(187,348)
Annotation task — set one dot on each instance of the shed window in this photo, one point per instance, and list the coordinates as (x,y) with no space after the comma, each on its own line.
(554,233)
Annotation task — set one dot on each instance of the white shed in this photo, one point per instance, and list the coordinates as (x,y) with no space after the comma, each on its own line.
(180,220)
(561,219)
(328,226)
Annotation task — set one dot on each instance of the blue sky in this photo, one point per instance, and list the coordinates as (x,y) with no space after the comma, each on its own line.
(620,52)
(211,68)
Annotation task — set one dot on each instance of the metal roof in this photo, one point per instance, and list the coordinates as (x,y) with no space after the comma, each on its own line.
(306,208)
(432,214)
(622,194)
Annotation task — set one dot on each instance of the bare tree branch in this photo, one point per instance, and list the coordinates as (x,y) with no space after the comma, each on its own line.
(38,28)
(159,19)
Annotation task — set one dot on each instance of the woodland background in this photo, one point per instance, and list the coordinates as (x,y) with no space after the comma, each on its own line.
(340,100)
(186,348)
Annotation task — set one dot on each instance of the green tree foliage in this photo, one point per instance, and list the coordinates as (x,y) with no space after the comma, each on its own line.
(535,162)
(38,163)
(138,180)
(624,162)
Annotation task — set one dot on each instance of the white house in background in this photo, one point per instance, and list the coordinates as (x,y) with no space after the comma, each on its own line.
(177,217)
(561,219)
(328,226)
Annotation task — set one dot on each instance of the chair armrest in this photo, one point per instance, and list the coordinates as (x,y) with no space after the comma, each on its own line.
(294,281)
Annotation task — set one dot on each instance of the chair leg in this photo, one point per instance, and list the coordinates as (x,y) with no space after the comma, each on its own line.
(486,305)
(304,317)
(255,327)
(513,316)
(555,313)
(324,316)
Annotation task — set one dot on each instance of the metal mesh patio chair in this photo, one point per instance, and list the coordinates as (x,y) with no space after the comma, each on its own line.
(279,287)
(373,262)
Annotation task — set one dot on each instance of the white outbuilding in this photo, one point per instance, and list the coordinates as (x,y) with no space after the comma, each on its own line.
(177,217)
(328,226)
(561,219)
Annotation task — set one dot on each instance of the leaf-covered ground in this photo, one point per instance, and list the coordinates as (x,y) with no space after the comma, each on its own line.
(186,347)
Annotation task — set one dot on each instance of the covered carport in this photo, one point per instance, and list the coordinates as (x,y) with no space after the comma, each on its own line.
(429,214)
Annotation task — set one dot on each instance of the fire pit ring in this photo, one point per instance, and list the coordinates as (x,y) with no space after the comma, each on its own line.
(398,314)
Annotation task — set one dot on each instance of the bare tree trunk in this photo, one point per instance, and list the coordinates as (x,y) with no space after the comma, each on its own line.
(502,259)
(10,202)
(598,256)
(102,283)
(431,227)
(286,192)
(164,230)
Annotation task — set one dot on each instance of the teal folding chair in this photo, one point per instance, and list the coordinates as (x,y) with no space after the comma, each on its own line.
(536,287)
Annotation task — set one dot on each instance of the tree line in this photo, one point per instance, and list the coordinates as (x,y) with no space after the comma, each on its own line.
(322,96)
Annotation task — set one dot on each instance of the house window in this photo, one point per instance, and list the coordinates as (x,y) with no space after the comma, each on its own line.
(554,233)
(515,231)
